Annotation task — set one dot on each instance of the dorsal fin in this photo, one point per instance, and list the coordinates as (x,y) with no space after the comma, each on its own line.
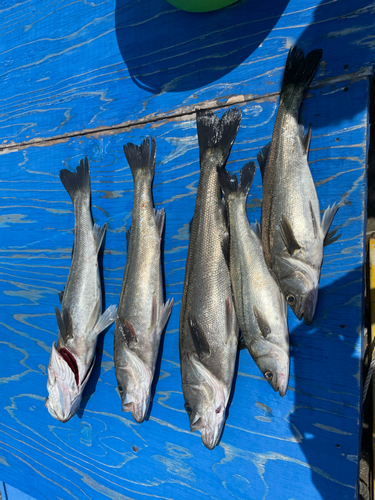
(262,157)
(306,139)
(328,216)
(190,226)
(128,233)
(329,239)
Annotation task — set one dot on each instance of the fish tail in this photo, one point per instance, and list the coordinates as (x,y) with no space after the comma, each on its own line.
(229,183)
(77,183)
(216,133)
(299,72)
(141,158)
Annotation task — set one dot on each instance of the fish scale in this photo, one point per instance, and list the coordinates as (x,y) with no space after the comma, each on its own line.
(142,315)
(260,308)
(293,234)
(208,324)
(80,321)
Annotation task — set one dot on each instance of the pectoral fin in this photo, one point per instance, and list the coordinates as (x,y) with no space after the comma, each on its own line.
(288,236)
(127,331)
(165,312)
(99,232)
(65,323)
(225,247)
(314,223)
(60,323)
(201,344)
(263,324)
(232,323)
(105,320)
(94,314)
(159,219)
(256,228)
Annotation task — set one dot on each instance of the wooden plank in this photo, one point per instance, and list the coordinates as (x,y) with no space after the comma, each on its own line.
(82,66)
(305,444)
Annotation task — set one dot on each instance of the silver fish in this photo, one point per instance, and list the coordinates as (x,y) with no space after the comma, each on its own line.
(208,324)
(292,233)
(260,307)
(142,315)
(81,319)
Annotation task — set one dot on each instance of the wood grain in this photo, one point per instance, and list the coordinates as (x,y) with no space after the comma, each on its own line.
(303,445)
(72,67)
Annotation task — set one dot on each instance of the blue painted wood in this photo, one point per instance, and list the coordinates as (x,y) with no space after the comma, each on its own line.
(74,66)
(305,445)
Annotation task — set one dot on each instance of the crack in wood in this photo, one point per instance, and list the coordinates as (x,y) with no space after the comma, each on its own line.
(182,113)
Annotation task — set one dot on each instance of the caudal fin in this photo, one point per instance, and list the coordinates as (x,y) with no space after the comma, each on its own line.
(299,72)
(141,158)
(216,133)
(77,183)
(229,183)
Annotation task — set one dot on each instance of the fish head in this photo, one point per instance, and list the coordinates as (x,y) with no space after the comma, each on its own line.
(275,368)
(270,348)
(65,391)
(207,399)
(299,283)
(134,383)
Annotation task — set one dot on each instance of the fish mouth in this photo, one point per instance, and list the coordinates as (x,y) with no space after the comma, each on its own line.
(211,439)
(309,306)
(137,409)
(282,384)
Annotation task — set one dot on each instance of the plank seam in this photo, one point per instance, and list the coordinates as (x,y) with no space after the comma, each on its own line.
(178,114)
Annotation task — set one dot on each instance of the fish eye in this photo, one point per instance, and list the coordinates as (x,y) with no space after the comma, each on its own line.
(120,388)
(188,409)
(290,299)
(268,375)
(218,410)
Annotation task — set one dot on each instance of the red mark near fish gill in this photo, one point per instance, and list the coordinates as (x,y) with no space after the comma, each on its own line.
(71,362)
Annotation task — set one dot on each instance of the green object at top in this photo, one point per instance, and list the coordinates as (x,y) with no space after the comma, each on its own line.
(200,5)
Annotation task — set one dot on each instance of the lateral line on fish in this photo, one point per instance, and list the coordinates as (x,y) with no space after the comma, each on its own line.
(212,105)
